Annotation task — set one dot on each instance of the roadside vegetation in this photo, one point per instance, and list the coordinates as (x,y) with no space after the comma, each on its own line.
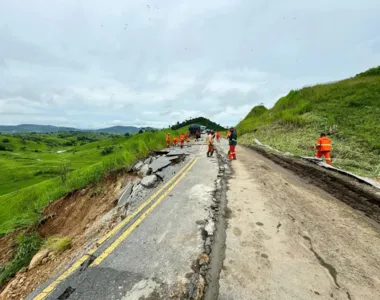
(39,168)
(348,111)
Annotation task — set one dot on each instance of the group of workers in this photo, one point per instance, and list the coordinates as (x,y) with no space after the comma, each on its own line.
(177,140)
(323,145)
(232,141)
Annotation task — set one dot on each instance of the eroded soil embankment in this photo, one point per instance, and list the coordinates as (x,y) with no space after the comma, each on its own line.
(350,190)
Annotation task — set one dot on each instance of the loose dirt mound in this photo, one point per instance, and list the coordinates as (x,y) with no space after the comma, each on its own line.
(78,216)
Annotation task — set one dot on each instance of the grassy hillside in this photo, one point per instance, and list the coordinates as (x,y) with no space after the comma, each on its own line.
(348,110)
(39,168)
(200,121)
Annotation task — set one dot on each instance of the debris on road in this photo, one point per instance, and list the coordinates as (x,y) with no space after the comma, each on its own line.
(149,181)
(159,164)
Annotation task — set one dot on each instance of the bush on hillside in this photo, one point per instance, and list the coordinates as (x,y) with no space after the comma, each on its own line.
(107,150)
(5,140)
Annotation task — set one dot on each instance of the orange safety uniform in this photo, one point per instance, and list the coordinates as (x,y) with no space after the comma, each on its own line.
(228,134)
(168,140)
(175,141)
(187,136)
(217,136)
(324,148)
(182,140)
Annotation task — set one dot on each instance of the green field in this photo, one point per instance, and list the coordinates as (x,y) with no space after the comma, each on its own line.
(348,111)
(39,168)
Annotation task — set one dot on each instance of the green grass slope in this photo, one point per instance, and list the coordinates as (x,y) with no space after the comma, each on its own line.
(348,111)
(33,173)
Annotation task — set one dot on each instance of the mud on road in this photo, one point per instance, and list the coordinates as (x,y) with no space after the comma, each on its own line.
(292,236)
(351,191)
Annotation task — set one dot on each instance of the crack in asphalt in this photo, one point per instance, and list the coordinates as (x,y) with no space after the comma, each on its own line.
(330,268)
(218,247)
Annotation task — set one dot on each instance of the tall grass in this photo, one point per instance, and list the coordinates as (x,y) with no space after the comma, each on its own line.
(27,246)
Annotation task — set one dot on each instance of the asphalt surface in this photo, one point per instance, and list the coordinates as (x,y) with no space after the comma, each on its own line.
(155,259)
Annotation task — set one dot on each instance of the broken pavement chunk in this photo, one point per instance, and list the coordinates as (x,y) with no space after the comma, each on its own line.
(159,164)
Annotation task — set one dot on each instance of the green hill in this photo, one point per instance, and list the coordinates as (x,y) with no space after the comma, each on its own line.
(37,168)
(200,121)
(348,111)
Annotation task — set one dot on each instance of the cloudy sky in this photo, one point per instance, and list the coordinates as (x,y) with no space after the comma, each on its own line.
(90,63)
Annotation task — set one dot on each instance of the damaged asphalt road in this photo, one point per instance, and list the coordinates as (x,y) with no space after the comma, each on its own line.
(157,253)
(210,229)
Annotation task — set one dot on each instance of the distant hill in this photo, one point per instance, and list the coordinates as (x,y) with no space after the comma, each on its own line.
(347,110)
(26,128)
(200,121)
(119,129)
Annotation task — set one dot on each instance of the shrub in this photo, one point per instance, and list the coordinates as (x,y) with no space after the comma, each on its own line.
(107,150)
(5,140)
(58,243)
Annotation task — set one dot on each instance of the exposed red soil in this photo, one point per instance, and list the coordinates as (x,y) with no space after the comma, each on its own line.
(72,216)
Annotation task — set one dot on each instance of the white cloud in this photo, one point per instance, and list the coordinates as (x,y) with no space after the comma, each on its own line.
(92,64)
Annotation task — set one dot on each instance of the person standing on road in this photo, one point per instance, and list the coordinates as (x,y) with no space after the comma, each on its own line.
(168,140)
(182,139)
(323,147)
(232,141)
(187,136)
(210,142)
(218,136)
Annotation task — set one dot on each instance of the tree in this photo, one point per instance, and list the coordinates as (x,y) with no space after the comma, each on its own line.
(127,134)
(5,140)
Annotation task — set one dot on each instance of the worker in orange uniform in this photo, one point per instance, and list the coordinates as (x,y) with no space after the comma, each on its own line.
(323,147)
(210,142)
(175,141)
(228,134)
(187,136)
(218,136)
(168,140)
(182,139)
(232,141)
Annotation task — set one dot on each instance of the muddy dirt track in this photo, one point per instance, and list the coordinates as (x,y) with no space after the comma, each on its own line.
(291,235)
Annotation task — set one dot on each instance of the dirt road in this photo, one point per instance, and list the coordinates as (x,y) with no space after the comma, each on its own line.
(287,239)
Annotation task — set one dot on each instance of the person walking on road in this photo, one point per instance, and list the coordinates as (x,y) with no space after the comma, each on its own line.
(323,147)
(168,140)
(182,140)
(232,141)
(210,142)
(175,141)
(218,136)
